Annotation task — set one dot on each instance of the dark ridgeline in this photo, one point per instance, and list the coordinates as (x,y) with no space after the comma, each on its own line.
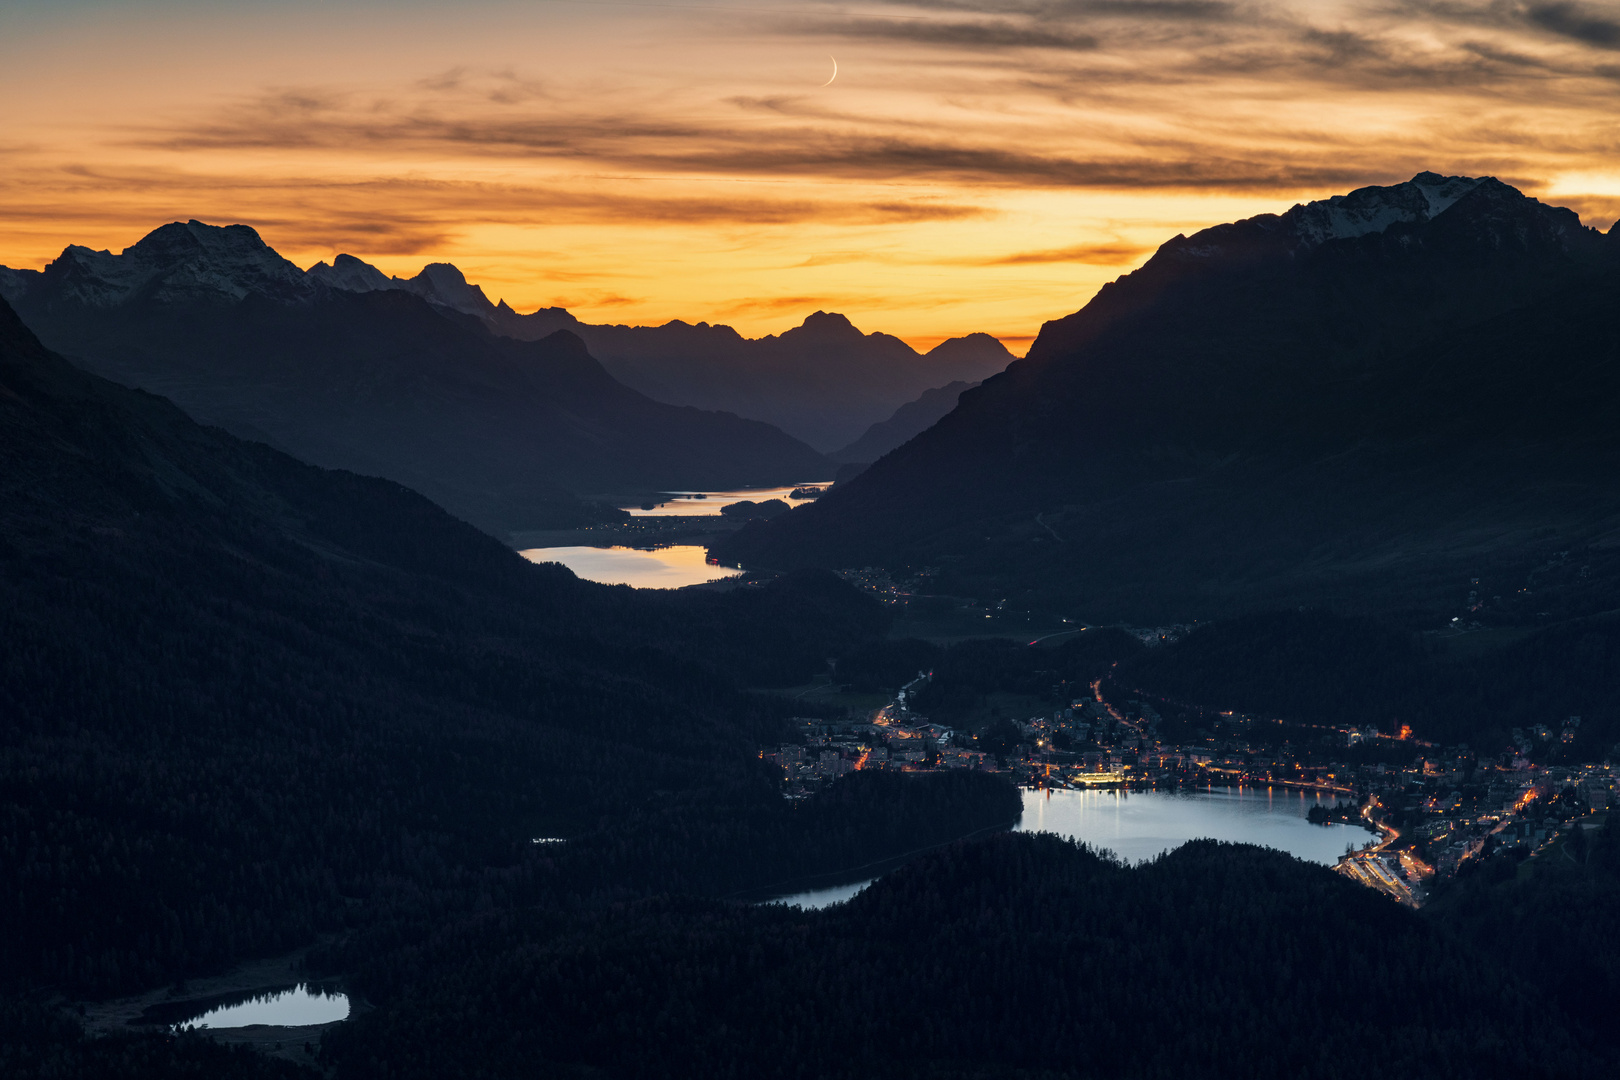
(506,434)
(823,381)
(1353,671)
(1361,403)
(909,420)
(244,701)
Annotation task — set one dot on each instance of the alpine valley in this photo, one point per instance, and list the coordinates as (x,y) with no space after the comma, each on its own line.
(1318,509)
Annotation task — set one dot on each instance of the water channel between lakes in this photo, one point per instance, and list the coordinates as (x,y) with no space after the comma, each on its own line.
(665,566)
(1141,825)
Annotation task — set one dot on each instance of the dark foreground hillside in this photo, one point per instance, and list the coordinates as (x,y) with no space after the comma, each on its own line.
(245,701)
(1023,956)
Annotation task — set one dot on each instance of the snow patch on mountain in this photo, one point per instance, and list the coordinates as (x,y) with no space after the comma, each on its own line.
(1374,209)
(447,286)
(351,274)
(179,262)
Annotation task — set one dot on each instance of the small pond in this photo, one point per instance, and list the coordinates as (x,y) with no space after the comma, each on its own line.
(295,1006)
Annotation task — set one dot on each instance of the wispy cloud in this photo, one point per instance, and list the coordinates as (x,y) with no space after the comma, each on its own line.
(1105,254)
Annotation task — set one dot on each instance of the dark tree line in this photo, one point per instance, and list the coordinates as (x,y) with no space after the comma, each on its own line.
(1023,956)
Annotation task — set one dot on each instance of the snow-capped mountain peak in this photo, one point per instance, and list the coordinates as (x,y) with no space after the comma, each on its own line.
(179,262)
(1374,209)
(444,284)
(352,274)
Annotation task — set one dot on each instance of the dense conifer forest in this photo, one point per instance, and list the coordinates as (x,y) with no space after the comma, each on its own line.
(1022,956)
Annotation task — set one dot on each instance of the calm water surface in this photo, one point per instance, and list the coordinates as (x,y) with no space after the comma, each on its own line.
(296,1007)
(1142,825)
(646,568)
(820,898)
(708,503)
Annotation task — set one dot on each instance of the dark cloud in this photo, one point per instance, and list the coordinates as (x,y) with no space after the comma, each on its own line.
(1192,11)
(1574,22)
(646,148)
(977,34)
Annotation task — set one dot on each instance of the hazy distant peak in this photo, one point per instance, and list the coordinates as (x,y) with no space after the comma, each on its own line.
(446,285)
(826,323)
(977,346)
(348,272)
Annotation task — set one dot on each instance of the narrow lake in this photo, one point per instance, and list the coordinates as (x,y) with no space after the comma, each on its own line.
(670,567)
(708,503)
(1139,826)
(294,1007)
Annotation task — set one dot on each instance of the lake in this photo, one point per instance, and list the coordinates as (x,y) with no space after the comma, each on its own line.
(708,503)
(672,567)
(296,1006)
(1140,825)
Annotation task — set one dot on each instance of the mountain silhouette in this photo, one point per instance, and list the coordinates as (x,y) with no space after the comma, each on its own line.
(386,381)
(908,421)
(824,381)
(1362,402)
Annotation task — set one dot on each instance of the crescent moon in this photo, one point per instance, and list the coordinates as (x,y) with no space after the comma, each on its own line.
(834,59)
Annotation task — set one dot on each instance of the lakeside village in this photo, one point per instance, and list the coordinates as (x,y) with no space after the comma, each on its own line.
(1430,817)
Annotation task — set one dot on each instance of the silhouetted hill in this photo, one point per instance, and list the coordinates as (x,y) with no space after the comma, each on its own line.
(1023,956)
(385,381)
(823,381)
(908,421)
(1361,403)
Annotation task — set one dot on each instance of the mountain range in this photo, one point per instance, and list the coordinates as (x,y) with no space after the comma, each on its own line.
(504,433)
(504,418)
(823,381)
(1364,403)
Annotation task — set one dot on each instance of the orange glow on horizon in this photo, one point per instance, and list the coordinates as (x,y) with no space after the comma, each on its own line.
(645,163)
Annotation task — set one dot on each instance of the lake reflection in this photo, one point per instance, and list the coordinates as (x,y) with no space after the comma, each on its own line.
(297,1007)
(1141,825)
(1138,826)
(708,503)
(657,568)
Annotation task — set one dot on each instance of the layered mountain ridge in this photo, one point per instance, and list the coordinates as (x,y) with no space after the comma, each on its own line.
(507,434)
(823,382)
(1361,402)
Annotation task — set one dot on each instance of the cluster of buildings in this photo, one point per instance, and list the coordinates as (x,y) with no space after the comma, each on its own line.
(1443,808)
(1448,810)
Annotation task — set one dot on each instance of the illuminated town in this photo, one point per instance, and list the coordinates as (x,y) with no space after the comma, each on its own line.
(1429,810)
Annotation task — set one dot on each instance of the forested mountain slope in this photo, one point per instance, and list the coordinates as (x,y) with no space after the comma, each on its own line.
(245,700)
(1362,403)
(1022,956)
(909,420)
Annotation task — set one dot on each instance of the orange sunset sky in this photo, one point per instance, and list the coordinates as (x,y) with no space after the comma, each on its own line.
(975,165)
